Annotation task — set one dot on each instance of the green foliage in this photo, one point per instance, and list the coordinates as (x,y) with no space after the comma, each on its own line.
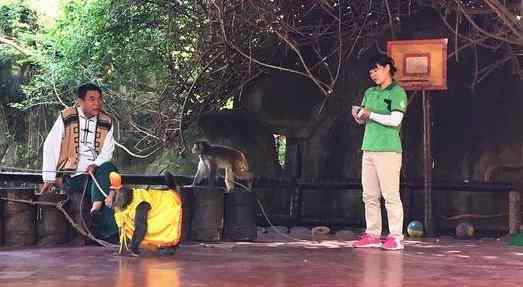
(18,24)
(151,58)
(99,41)
(140,53)
(17,20)
(26,155)
(281,148)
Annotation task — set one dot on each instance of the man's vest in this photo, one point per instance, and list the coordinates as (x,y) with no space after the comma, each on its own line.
(69,149)
(164,219)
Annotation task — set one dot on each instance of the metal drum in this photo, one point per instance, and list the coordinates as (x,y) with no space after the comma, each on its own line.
(187,196)
(240,216)
(19,218)
(207,214)
(52,227)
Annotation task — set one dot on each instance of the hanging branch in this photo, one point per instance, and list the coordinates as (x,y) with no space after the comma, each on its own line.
(13,43)
(233,42)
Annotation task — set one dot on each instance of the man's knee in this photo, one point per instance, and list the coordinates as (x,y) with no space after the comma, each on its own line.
(76,184)
(106,167)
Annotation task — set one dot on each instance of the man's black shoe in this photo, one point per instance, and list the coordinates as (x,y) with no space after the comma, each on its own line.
(97,216)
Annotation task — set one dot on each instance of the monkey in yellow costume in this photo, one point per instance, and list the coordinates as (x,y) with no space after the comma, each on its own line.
(147,218)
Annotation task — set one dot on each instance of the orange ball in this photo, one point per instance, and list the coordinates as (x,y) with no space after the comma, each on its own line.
(116,180)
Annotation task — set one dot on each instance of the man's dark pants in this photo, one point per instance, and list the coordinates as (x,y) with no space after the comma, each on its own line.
(106,229)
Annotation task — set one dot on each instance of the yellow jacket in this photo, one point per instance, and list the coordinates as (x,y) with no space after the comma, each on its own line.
(164,220)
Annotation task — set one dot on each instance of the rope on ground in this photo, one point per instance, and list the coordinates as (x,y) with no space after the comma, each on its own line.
(273,226)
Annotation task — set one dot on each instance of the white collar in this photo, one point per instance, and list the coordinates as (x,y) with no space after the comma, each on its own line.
(82,115)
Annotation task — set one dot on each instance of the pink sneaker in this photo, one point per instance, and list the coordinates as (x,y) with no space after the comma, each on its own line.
(367,240)
(393,243)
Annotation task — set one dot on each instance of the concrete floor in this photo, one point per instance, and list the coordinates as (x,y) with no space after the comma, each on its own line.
(330,263)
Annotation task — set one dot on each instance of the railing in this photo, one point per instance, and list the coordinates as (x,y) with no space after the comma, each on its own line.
(296,188)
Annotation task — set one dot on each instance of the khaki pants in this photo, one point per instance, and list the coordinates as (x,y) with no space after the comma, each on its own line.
(380,176)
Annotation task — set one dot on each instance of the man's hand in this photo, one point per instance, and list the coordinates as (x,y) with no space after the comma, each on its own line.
(46,187)
(109,199)
(91,169)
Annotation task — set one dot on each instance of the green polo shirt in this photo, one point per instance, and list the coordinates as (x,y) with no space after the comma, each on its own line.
(378,137)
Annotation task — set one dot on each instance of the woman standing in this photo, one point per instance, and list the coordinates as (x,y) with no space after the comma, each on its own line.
(382,111)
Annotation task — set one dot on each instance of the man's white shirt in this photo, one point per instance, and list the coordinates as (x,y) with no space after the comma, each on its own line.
(87,151)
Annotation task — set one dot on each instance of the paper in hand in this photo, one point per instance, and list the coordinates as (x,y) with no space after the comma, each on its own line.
(355,110)
(356,113)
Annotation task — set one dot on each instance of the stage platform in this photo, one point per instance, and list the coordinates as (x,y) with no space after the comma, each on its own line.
(445,262)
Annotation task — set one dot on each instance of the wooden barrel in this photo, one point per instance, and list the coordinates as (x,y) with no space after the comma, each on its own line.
(514,209)
(75,211)
(240,216)
(20,229)
(2,217)
(207,215)
(52,226)
(187,203)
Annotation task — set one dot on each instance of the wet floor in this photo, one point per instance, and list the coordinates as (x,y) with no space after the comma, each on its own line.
(330,263)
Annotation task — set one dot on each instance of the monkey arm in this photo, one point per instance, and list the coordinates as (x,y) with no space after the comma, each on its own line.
(201,173)
(140,225)
(213,168)
(170,181)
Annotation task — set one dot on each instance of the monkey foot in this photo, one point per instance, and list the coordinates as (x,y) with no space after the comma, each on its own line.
(169,180)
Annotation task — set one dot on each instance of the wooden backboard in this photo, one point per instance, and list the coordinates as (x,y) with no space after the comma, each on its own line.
(422,64)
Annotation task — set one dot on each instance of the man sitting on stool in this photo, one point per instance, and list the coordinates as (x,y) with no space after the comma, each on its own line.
(81,143)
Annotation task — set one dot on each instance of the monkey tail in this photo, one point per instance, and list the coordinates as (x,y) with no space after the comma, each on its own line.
(123,240)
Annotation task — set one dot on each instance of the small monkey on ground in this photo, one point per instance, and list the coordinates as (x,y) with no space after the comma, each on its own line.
(147,218)
(213,157)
